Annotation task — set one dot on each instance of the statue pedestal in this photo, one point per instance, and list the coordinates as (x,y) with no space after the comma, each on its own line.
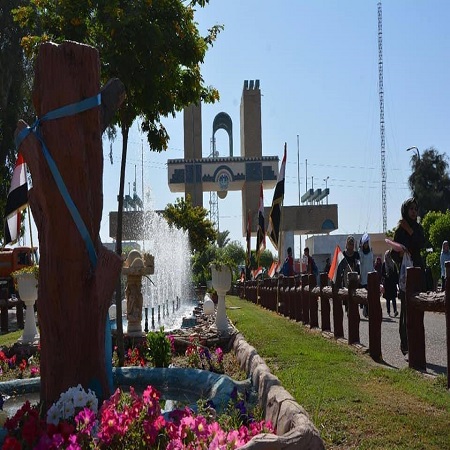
(27,287)
(221,281)
(134,271)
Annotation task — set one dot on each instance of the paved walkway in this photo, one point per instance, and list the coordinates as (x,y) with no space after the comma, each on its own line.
(435,339)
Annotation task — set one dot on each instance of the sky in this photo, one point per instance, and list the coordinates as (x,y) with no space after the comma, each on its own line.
(317,62)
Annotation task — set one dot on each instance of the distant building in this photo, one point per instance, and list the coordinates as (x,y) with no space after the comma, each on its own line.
(322,247)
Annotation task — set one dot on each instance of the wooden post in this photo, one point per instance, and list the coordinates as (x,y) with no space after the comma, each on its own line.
(73,297)
(338,314)
(353,309)
(305,300)
(313,303)
(324,304)
(414,321)
(375,315)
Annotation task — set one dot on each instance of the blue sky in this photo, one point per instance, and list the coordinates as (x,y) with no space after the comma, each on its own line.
(317,62)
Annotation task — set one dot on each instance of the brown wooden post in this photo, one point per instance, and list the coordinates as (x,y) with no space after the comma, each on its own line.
(324,304)
(447,317)
(414,321)
(375,315)
(299,300)
(73,297)
(313,303)
(353,309)
(338,314)
(305,300)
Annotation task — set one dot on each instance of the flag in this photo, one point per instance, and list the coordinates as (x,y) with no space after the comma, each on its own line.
(273,229)
(274,268)
(261,233)
(257,272)
(16,201)
(249,236)
(338,257)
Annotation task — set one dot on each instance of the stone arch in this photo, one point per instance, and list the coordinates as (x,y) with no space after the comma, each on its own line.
(223,121)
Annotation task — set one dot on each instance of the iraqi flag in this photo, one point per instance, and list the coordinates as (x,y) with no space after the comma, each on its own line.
(274,268)
(338,257)
(273,229)
(261,234)
(16,201)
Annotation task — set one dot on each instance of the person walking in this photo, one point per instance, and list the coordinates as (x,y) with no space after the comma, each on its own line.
(366,265)
(445,256)
(389,280)
(410,234)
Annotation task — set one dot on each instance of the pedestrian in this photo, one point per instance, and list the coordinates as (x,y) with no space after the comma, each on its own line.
(288,266)
(327,267)
(389,280)
(378,266)
(410,234)
(366,265)
(350,263)
(445,256)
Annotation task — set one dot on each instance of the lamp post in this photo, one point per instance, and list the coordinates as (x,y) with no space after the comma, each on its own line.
(416,149)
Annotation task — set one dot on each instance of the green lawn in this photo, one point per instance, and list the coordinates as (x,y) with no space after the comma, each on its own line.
(355,403)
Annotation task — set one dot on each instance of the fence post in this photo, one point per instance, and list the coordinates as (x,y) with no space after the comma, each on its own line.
(338,314)
(313,303)
(324,304)
(353,309)
(414,320)
(375,315)
(447,317)
(305,301)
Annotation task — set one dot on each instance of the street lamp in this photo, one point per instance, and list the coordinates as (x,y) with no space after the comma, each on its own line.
(416,149)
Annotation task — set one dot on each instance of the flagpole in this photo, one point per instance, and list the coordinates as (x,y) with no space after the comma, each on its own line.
(31,235)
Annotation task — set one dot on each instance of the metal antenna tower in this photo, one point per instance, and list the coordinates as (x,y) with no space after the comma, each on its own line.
(381,95)
(213,202)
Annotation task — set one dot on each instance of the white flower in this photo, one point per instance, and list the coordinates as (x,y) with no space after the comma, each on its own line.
(53,414)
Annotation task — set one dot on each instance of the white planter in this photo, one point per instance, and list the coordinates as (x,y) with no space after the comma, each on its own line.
(27,285)
(221,281)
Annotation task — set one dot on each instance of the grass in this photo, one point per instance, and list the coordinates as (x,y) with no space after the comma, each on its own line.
(354,403)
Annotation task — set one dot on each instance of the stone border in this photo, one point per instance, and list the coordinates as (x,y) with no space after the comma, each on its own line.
(293,425)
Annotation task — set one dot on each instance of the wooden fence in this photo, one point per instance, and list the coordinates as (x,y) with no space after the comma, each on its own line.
(298,299)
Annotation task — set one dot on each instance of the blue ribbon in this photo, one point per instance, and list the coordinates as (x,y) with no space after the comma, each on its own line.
(64,111)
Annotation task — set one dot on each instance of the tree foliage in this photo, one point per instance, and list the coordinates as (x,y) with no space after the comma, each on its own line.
(222,238)
(437,230)
(429,181)
(193,219)
(15,84)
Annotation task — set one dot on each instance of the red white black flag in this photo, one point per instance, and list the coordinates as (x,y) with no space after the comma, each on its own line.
(16,202)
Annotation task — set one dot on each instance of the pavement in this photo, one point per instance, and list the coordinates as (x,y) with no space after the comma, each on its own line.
(435,339)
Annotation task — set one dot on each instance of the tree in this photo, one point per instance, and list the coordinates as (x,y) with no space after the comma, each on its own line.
(437,230)
(222,238)
(192,219)
(154,48)
(430,182)
(15,75)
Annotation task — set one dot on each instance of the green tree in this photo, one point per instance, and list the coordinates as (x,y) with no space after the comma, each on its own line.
(222,238)
(429,181)
(194,220)
(437,230)
(15,76)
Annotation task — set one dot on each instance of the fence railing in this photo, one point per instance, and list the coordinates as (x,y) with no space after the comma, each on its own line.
(298,299)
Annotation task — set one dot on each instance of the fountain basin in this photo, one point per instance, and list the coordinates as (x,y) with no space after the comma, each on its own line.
(175,383)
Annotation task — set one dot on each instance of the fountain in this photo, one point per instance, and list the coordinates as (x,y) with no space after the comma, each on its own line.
(167,293)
